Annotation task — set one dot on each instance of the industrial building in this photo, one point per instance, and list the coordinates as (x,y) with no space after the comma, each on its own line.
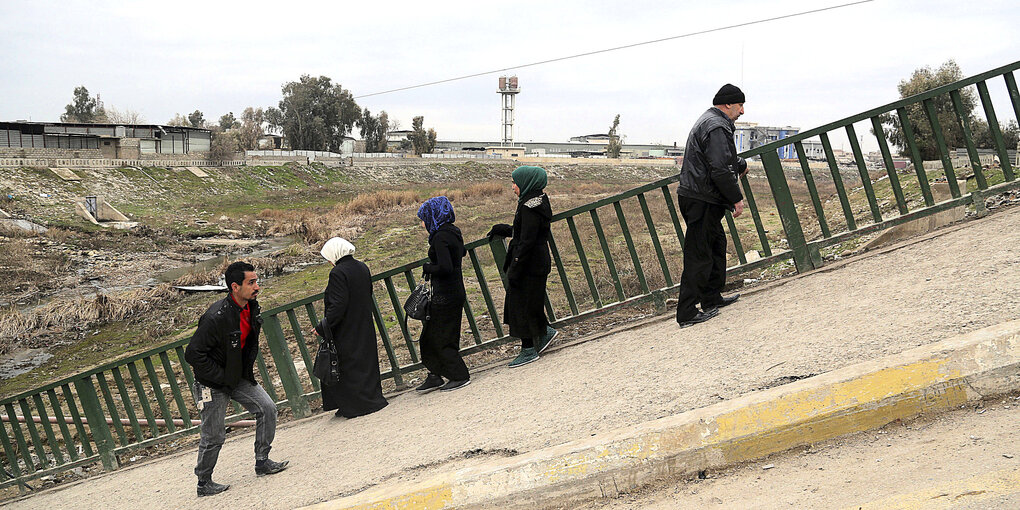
(117,141)
(748,135)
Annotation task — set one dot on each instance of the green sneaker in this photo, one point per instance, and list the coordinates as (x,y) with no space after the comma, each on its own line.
(547,340)
(526,356)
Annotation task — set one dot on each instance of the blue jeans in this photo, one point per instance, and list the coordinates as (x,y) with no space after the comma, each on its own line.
(213,432)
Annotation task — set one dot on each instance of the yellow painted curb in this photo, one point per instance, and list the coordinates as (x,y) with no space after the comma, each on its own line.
(934,377)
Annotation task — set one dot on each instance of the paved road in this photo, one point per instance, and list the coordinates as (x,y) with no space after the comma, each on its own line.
(965,459)
(963,279)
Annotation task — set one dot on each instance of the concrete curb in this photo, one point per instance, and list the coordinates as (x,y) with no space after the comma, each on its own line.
(930,378)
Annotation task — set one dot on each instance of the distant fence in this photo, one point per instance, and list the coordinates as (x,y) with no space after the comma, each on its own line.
(461,156)
(617,252)
(312,155)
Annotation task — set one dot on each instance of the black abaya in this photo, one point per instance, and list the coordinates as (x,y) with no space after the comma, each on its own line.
(348,300)
(440,337)
(527,267)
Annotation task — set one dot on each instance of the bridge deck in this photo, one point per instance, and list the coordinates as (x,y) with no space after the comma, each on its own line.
(962,279)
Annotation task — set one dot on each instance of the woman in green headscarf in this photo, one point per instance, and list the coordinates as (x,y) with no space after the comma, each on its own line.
(527,264)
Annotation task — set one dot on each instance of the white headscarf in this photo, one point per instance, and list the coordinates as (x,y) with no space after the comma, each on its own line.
(336,249)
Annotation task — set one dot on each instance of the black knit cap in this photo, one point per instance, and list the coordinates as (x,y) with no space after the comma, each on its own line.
(728,94)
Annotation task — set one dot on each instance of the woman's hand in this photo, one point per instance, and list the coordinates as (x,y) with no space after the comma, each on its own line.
(500,230)
(313,331)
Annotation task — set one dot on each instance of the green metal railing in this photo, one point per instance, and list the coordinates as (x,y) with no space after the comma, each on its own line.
(616,252)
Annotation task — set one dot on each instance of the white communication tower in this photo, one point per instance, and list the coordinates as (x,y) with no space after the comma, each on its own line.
(508,88)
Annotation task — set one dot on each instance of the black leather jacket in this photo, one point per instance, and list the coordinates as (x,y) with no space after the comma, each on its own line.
(215,352)
(711,169)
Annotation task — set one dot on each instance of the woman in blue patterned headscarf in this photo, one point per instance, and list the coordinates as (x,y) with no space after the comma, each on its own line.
(436,212)
(440,335)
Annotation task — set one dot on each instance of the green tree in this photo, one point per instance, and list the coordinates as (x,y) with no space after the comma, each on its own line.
(922,80)
(251,128)
(983,136)
(316,114)
(224,144)
(83,108)
(373,130)
(227,121)
(197,119)
(423,142)
(615,144)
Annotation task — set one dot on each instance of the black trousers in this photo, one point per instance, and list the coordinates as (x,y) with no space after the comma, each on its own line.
(704,257)
(440,341)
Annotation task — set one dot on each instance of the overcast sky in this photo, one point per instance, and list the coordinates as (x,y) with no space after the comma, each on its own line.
(165,58)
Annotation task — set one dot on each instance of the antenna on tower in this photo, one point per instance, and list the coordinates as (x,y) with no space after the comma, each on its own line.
(508,88)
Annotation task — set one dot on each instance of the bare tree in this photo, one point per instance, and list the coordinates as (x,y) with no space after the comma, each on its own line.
(178,120)
(127,116)
(251,128)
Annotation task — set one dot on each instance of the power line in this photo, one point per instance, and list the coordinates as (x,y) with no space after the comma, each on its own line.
(596,52)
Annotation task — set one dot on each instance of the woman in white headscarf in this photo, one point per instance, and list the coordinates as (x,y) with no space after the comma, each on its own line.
(348,300)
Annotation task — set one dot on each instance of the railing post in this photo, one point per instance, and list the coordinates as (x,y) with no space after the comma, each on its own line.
(97,422)
(285,367)
(498,247)
(802,257)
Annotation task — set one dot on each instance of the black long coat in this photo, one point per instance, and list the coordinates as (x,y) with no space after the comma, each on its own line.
(440,335)
(348,299)
(527,267)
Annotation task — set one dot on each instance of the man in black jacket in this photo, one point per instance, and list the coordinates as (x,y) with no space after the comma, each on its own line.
(709,186)
(222,354)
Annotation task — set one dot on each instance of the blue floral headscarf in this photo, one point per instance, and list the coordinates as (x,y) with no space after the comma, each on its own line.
(436,212)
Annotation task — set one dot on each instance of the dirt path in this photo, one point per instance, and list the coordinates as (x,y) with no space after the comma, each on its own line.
(961,280)
(966,459)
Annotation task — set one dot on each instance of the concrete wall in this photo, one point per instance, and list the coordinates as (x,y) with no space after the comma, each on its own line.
(38,153)
(129,148)
(110,163)
(597,161)
(171,157)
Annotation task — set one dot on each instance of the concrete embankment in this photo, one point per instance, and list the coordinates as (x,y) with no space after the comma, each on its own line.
(932,378)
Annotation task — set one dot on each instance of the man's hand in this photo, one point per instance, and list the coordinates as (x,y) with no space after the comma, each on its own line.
(738,209)
(746,169)
(312,331)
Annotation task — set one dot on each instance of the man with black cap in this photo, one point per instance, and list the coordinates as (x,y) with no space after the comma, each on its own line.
(709,186)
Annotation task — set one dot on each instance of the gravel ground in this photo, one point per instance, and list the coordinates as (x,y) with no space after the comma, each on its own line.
(960,280)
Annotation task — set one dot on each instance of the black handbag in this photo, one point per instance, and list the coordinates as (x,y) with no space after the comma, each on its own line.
(327,361)
(417,304)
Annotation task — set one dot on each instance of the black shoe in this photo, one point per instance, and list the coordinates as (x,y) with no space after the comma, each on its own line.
(269,467)
(455,385)
(432,382)
(699,318)
(211,488)
(726,301)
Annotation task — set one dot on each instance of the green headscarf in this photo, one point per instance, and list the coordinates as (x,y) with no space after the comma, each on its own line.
(529,178)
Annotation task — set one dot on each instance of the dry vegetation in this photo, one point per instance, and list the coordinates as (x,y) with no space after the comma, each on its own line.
(347,219)
(74,316)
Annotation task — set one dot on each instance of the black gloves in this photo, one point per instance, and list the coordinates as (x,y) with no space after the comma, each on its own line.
(500,230)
